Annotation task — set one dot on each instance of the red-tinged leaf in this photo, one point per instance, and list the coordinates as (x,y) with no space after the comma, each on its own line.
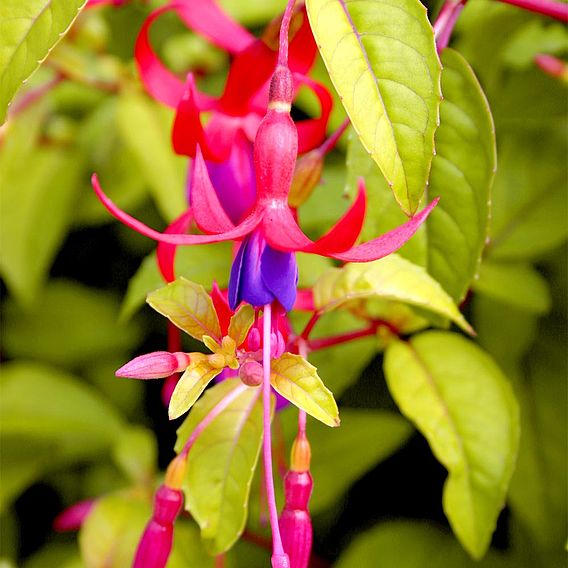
(244,228)
(387,243)
(166,253)
(222,308)
(345,232)
(311,132)
(187,132)
(207,209)
(206,18)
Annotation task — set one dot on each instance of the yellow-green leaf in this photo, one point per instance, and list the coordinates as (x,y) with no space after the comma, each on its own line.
(188,306)
(298,381)
(391,278)
(465,407)
(192,383)
(29,30)
(382,59)
(241,323)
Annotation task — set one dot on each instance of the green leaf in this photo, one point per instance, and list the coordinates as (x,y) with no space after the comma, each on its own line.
(136,453)
(70,325)
(241,323)
(39,189)
(163,170)
(382,60)
(29,30)
(538,494)
(405,544)
(222,462)
(298,381)
(191,384)
(188,306)
(343,455)
(502,282)
(392,278)
(110,534)
(201,265)
(460,400)
(462,176)
(49,419)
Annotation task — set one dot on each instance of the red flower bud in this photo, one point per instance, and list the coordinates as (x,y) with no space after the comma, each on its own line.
(295,522)
(156,543)
(73,517)
(156,365)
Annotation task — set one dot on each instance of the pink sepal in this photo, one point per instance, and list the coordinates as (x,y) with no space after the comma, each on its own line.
(166,253)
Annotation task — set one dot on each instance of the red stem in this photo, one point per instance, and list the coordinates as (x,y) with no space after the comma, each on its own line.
(284,30)
(557,10)
(330,143)
(31,96)
(310,325)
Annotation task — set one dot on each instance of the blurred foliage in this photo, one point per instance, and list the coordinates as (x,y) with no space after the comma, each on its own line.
(69,430)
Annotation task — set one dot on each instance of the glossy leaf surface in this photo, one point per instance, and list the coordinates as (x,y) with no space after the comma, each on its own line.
(221,463)
(298,381)
(29,30)
(460,400)
(383,62)
(188,306)
(392,278)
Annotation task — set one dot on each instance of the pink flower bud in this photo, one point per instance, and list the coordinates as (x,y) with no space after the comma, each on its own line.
(253,342)
(551,65)
(73,517)
(295,522)
(156,543)
(251,373)
(154,365)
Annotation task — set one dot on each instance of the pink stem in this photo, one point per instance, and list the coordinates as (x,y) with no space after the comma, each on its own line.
(310,325)
(279,557)
(551,65)
(213,413)
(324,342)
(303,352)
(557,10)
(330,143)
(284,30)
(446,21)
(31,96)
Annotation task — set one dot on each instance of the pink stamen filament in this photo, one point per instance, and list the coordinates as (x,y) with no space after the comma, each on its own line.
(279,557)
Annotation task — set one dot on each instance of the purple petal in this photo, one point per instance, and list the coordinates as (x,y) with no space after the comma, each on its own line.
(280,275)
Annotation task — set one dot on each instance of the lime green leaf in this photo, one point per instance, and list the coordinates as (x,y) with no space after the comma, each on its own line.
(29,30)
(111,532)
(342,456)
(501,282)
(460,400)
(298,381)
(188,548)
(69,325)
(188,306)
(55,554)
(136,453)
(342,364)
(405,544)
(39,189)
(241,323)
(382,60)
(191,384)
(222,462)
(392,278)
(201,265)
(163,170)
(462,175)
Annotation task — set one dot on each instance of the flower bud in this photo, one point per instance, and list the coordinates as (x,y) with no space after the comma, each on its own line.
(295,522)
(552,65)
(154,365)
(156,543)
(301,454)
(253,341)
(251,373)
(307,176)
(72,518)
